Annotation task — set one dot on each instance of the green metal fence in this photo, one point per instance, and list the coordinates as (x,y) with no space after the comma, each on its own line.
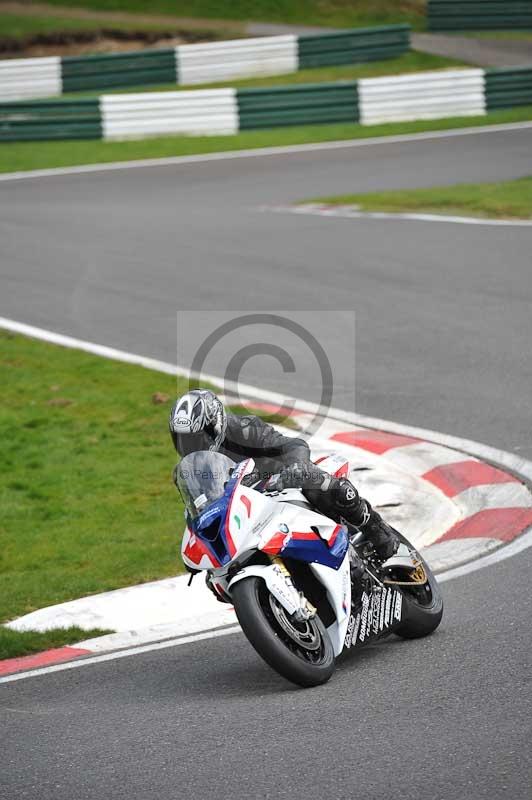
(447,15)
(140,68)
(298,105)
(50,119)
(365,102)
(198,63)
(508,87)
(348,47)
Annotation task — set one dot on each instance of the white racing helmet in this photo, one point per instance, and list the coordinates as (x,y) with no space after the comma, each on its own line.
(200,412)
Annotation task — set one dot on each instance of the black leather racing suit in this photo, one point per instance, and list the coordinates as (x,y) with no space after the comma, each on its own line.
(251,437)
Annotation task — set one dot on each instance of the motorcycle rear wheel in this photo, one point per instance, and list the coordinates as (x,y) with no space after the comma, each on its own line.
(422,605)
(301,652)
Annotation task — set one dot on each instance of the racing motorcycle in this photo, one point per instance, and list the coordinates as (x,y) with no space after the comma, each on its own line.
(304,588)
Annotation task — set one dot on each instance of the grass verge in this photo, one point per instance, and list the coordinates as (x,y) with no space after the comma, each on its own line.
(14,644)
(505,200)
(88,504)
(21,27)
(341,13)
(510,36)
(27,156)
(87,499)
(25,26)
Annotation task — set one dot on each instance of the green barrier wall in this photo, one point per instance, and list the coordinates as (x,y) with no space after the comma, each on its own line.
(348,47)
(50,119)
(140,68)
(507,87)
(298,105)
(152,67)
(448,15)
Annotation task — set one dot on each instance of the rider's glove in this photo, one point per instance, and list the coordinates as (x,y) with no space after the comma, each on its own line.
(251,478)
(298,475)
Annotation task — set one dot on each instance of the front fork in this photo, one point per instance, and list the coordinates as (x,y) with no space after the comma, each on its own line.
(306,610)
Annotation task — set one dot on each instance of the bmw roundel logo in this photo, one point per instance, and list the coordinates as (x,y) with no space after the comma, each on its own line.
(283,528)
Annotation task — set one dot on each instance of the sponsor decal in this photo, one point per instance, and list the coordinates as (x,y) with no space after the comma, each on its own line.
(398,606)
(261,524)
(364,616)
(375,607)
(284,589)
(345,586)
(370,615)
(237,520)
(379,610)
(382,610)
(388,607)
(200,501)
(355,632)
(283,527)
(240,469)
(348,641)
(353,628)
(211,512)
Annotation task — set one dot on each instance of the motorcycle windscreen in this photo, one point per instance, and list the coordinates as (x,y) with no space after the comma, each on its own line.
(202,478)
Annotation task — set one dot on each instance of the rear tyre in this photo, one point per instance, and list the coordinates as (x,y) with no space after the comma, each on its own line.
(300,652)
(422,605)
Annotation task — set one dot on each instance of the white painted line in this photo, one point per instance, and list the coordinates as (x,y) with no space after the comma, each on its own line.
(343,212)
(90,347)
(132,651)
(260,152)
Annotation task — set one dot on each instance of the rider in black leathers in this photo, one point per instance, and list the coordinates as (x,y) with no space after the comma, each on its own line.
(198,421)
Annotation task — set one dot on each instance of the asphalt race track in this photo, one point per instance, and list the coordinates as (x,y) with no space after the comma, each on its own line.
(443,341)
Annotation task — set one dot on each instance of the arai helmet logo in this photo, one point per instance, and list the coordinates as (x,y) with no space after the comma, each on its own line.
(187,424)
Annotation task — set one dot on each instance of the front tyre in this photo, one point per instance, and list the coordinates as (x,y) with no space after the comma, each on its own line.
(422,605)
(302,652)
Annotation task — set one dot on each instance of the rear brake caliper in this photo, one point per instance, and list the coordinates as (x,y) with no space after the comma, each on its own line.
(404,571)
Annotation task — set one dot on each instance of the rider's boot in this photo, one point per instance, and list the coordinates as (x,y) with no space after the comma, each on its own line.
(359,513)
(338,498)
(381,535)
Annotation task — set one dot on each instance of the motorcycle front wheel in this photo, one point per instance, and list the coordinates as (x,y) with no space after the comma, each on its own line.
(302,652)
